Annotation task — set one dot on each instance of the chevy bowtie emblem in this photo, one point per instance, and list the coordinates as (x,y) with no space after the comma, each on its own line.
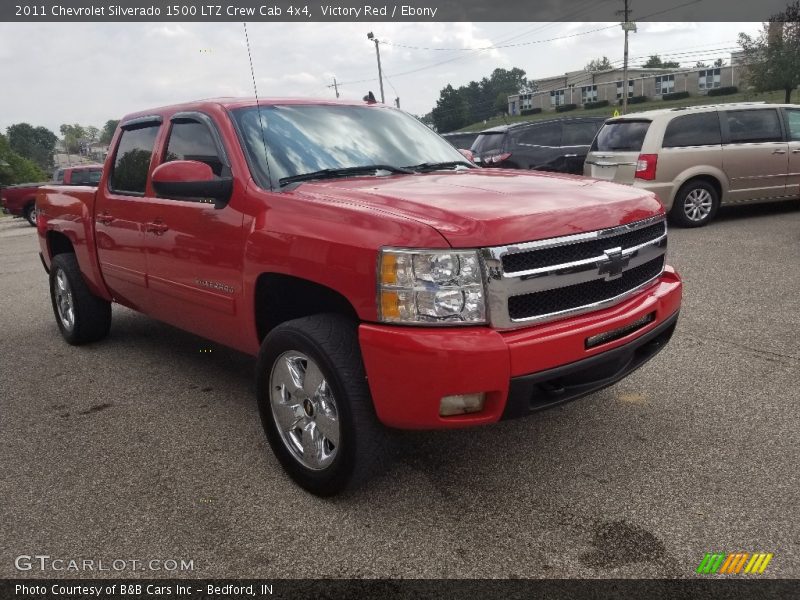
(613,264)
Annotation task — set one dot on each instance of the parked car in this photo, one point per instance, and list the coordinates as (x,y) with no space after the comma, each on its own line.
(461,140)
(380,278)
(553,145)
(698,158)
(79,175)
(20,200)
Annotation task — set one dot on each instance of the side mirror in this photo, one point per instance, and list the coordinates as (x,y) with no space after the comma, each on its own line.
(467,154)
(191,180)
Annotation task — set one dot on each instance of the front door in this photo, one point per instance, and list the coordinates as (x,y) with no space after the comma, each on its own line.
(195,252)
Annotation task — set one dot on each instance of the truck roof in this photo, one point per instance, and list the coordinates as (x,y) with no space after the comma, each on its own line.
(238,102)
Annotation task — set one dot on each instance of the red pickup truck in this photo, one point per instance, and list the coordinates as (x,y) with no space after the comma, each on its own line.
(20,200)
(380,278)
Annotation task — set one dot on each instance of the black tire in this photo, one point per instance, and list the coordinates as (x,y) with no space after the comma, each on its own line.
(331,342)
(30,214)
(91,316)
(685,213)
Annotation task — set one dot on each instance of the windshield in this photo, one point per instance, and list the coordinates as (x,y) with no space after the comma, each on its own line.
(623,136)
(306,138)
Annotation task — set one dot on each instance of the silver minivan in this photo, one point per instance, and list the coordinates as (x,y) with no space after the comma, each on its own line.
(699,157)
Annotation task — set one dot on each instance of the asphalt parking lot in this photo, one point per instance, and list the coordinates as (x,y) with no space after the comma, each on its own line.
(146,447)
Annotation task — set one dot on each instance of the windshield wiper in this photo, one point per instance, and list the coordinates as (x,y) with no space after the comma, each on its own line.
(342,172)
(436,166)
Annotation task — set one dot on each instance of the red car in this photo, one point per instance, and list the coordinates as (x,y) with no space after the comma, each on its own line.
(380,278)
(20,200)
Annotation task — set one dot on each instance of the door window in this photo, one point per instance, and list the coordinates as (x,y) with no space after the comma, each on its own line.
(750,126)
(793,118)
(579,134)
(192,140)
(701,129)
(541,135)
(132,162)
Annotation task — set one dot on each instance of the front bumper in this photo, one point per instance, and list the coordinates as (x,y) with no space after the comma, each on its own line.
(410,369)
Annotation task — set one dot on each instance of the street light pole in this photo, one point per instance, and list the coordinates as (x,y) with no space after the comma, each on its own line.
(370,36)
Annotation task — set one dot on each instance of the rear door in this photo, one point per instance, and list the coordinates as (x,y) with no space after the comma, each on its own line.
(793,125)
(755,154)
(615,150)
(195,252)
(119,213)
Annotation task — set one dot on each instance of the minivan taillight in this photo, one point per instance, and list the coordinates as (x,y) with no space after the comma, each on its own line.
(646,166)
(498,158)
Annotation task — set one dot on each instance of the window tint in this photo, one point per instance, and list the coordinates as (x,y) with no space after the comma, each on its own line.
(79,177)
(701,129)
(488,142)
(793,117)
(190,140)
(541,135)
(579,134)
(754,126)
(59,176)
(133,160)
(621,136)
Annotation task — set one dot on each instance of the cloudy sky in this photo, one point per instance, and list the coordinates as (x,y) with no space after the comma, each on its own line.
(89,72)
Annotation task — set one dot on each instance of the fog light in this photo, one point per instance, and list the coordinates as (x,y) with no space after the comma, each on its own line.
(461,404)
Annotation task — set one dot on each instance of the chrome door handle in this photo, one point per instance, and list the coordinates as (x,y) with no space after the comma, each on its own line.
(796,151)
(105,218)
(779,151)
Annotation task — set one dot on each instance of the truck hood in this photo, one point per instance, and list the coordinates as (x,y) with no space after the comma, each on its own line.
(491,207)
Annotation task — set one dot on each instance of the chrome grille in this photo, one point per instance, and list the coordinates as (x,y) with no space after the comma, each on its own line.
(549,279)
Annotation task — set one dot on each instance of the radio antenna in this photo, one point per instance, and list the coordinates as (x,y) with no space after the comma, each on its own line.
(258,104)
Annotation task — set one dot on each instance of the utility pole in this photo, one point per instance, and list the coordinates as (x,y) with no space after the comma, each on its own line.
(397,102)
(336,87)
(627,27)
(370,36)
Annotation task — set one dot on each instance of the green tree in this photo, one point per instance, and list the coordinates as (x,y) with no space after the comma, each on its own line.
(478,100)
(451,111)
(772,58)
(720,62)
(108,131)
(598,64)
(34,143)
(700,65)
(73,136)
(15,168)
(655,62)
(92,134)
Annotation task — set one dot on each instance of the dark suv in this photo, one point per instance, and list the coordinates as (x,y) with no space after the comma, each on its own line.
(462,139)
(554,145)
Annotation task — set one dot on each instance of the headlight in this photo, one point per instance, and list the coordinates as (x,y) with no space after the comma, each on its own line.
(430,287)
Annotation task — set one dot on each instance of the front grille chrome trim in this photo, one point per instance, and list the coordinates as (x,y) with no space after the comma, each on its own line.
(501,286)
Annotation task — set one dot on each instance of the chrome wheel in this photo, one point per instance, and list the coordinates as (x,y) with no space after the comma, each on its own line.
(697,204)
(64,303)
(304,410)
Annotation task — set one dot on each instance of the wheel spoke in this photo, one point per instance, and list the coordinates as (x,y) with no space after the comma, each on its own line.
(312,379)
(328,426)
(287,374)
(312,444)
(286,413)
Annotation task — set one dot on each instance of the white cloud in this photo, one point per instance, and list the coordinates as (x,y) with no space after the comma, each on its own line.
(90,72)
